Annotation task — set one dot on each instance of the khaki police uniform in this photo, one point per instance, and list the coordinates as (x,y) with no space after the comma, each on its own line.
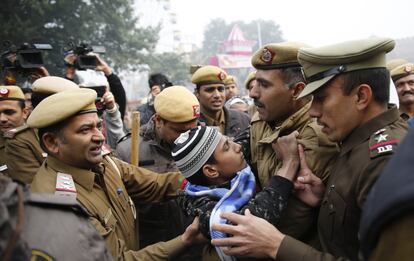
(9,92)
(165,220)
(229,122)
(363,154)
(298,220)
(53,227)
(106,189)
(23,152)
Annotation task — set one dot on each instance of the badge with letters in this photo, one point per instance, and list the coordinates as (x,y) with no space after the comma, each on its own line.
(381,143)
(65,186)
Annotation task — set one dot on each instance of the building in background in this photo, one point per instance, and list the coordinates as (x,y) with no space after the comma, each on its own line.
(236,59)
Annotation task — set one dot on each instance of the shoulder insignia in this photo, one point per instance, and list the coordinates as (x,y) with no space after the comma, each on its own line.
(13,132)
(65,185)
(381,143)
(124,138)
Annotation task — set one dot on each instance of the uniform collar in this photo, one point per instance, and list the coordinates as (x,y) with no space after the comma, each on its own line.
(83,177)
(215,122)
(364,132)
(292,123)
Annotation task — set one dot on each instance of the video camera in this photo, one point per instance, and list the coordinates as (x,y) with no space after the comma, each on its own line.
(84,60)
(27,56)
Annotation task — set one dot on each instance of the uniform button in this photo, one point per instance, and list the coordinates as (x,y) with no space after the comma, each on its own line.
(331,206)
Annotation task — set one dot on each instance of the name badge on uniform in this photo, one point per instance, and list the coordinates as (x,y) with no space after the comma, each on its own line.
(65,186)
(3,167)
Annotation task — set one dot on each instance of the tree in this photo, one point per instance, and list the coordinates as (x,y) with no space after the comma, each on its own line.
(218,30)
(173,65)
(110,23)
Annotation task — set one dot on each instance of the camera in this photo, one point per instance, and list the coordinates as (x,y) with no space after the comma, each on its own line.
(84,60)
(27,56)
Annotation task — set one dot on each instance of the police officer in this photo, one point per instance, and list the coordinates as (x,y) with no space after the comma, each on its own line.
(210,92)
(176,111)
(45,227)
(23,152)
(350,87)
(403,77)
(387,222)
(279,81)
(13,113)
(230,84)
(75,167)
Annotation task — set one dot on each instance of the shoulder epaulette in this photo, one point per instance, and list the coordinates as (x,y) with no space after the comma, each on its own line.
(10,134)
(382,143)
(124,138)
(51,200)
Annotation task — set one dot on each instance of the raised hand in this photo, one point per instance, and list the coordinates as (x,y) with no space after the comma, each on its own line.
(308,187)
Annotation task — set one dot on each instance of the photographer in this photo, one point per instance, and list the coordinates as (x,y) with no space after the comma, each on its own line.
(156,82)
(115,84)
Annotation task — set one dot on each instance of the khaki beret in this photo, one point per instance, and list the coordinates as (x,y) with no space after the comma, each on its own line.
(61,106)
(394,63)
(402,71)
(277,56)
(209,74)
(53,84)
(11,92)
(177,104)
(249,79)
(323,63)
(230,79)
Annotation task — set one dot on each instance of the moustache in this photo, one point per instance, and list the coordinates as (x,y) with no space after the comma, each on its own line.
(258,103)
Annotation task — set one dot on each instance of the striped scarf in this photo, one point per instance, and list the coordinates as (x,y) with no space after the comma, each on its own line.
(231,200)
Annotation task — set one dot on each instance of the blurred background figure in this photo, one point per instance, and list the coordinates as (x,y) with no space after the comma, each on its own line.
(237,103)
(156,82)
(230,84)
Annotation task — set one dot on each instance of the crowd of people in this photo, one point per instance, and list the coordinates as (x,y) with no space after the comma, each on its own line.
(313,165)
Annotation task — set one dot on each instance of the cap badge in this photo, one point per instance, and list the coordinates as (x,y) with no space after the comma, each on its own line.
(267,55)
(4,92)
(196,110)
(408,69)
(221,76)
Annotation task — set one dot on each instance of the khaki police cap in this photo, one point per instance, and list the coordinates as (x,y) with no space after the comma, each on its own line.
(402,71)
(209,74)
(394,63)
(61,106)
(11,92)
(230,79)
(53,84)
(323,63)
(177,104)
(249,79)
(277,56)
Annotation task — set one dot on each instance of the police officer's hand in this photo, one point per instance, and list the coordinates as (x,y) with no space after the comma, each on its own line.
(251,236)
(108,100)
(308,187)
(192,234)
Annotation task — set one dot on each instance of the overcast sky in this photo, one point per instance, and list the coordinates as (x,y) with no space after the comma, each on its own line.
(315,22)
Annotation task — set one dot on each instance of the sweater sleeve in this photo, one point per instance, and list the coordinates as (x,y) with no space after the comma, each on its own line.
(271,201)
(118,91)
